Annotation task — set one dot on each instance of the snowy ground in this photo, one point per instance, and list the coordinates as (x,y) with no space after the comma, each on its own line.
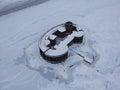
(21,29)
(9,6)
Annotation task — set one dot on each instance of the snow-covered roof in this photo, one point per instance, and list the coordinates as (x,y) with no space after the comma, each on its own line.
(47,42)
(58,51)
(61,29)
(78,34)
(52,37)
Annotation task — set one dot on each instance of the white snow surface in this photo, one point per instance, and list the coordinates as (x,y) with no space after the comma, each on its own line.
(21,29)
(9,6)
